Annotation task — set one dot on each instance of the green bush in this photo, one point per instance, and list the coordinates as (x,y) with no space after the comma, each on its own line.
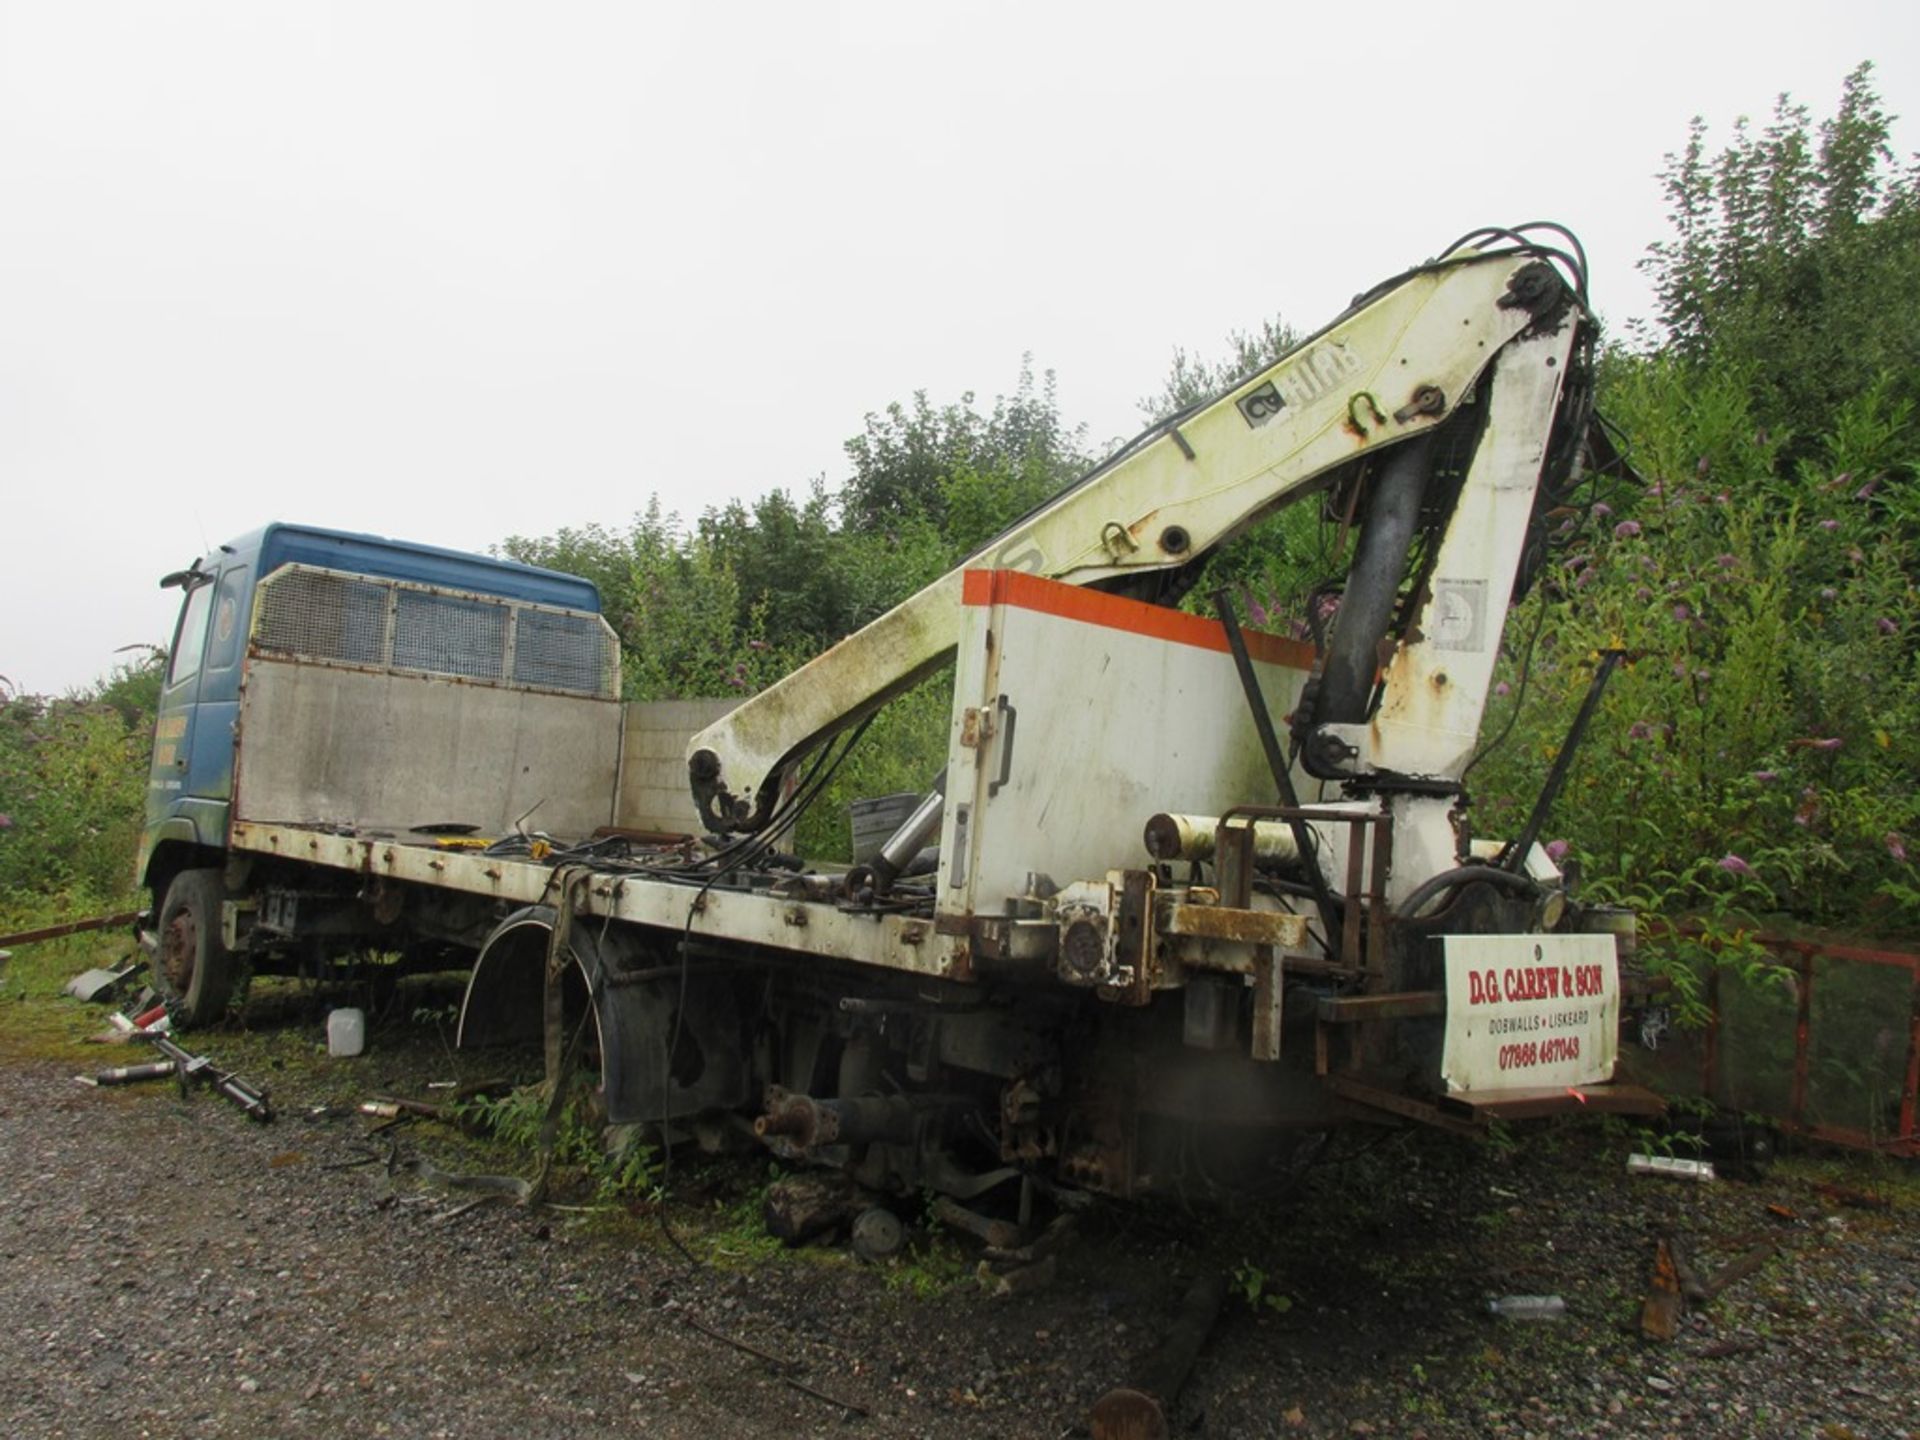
(72,791)
(1759,749)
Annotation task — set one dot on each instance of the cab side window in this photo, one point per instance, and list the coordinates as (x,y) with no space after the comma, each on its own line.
(228,604)
(190,640)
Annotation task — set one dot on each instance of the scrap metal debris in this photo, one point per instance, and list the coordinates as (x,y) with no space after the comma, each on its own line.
(1735,1271)
(147,1017)
(799,1207)
(1674,1287)
(99,985)
(1019,1280)
(226,1084)
(1853,1199)
(1670,1167)
(128,1074)
(71,927)
(491,1187)
(1661,1310)
(183,1064)
(1139,1410)
(1000,1234)
(784,1369)
(1690,1285)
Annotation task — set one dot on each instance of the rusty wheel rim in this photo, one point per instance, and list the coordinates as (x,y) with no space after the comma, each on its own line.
(177,945)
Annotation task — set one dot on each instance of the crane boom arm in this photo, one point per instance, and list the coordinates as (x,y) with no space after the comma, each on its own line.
(1391,369)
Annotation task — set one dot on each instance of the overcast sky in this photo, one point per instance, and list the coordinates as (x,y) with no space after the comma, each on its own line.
(453,272)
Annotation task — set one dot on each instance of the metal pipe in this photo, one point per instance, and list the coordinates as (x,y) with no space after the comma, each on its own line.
(1516,858)
(852,1120)
(1331,918)
(1190,837)
(914,832)
(1373,584)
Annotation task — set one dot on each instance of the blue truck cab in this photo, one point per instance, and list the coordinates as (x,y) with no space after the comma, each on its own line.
(190,787)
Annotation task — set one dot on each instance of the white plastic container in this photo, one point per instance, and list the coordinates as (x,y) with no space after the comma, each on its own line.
(1670,1167)
(1528,1307)
(346,1032)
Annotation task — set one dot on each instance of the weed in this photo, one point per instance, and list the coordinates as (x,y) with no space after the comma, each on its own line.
(518,1120)
(928,1267)
(1250,1284)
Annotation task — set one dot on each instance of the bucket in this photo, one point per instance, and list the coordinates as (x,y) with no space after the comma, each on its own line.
(346,1032)
(874,820)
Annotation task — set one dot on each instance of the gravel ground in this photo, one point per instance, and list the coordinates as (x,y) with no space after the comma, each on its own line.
(174,1270)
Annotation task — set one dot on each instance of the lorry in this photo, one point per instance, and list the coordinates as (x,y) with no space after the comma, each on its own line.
(1181,889)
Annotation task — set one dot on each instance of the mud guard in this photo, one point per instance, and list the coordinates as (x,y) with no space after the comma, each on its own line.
(666,1051)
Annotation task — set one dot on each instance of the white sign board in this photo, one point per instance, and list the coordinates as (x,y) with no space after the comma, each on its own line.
(1526,1011)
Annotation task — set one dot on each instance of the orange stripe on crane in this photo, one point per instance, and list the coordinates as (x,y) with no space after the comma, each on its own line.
(1096,607)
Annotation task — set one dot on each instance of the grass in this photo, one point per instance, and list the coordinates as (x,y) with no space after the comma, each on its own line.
(37,1020)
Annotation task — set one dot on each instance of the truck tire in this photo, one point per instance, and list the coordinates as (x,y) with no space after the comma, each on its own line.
(192,969)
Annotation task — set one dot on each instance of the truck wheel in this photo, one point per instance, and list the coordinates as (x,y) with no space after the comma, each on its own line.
(192,969)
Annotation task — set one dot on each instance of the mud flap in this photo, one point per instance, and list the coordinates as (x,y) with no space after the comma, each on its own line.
(666,1053)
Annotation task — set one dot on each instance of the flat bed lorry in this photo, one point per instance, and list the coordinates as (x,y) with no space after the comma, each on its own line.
(1181,887)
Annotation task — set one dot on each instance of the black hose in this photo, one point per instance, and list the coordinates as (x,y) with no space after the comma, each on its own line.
(1408,908)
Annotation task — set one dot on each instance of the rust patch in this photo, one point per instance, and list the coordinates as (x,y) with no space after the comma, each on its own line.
(1244,927)
(1362,408)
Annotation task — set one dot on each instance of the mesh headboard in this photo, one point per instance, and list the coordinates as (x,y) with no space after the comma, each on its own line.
(325,616)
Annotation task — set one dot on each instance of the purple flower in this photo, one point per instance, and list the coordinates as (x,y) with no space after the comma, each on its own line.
(1887,627)
(1639,730)
(1896,846)
(1681,612)
(1865,492)
(1703,674)
(736,682)
(1601,509)
(1725,562)
(1257,613)
(1734,865)
(6,821)
(1679,670)
(1585,579)
(1557,850)
(1501,688)
(1831,742)
(1626,530)
(1766,777)
(1829,524)
(1829,594)
(1702,467)
(756,644)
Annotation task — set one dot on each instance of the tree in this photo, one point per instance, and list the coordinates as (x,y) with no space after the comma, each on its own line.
(1192,378)
(73,774)
(1796,255)
(907,456)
